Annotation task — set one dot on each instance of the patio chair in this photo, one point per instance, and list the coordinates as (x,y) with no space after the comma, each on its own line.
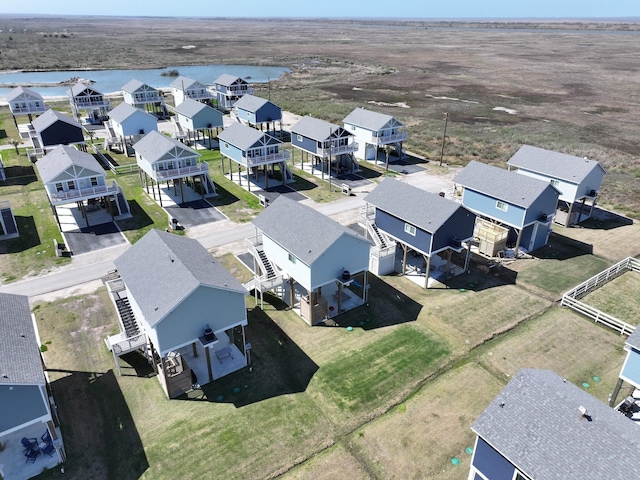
(49,449)
(29,444)
(32,455)
(46,437)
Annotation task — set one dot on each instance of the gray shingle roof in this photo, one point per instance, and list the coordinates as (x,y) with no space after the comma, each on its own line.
(423,209)
(314,128)
(227,80)
(539,429)
(19,347)
(301,230)
(61,158)
(367,119)
(124,111)
(162,269)
(241,135)
(554,164)
(50,117)
(251,103)
(23,92)
(495,182)
(80,87)
(132,85)
(190,107)
(634,339)
(154,145)
(184,83)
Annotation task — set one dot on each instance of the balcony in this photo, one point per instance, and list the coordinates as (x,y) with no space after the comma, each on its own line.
(25,110)
(387,139)
(148,98)
(94,102)
(338,150)
(266,159)
(182,171)
(238,92)
(198,94)
(62,197)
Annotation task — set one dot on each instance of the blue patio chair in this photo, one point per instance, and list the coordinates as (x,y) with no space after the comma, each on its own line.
(46,437)
(32,455)
(49,449)
(29,444)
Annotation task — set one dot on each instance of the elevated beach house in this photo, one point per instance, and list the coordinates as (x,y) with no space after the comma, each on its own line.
(28,408)
(519,206)
(542,427)
(434,233)
(374,131)
(53,128)
(185,87)
(141,95)
(71,176)
(193,119)
(258,112)
(164,161)
(257,152)
(181,308)
(127,125)
(24,101)
(88,104)
(577,179)
(329,146)
(230,89)
(315,264)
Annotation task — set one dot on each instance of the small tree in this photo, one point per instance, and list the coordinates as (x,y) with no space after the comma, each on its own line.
(387,152)
(90,134)
(15,144)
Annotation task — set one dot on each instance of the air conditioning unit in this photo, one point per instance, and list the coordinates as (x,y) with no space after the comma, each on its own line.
(545,217)
(592,193)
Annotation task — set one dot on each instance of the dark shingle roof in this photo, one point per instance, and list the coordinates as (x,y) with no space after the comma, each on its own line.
(24,93)
(314,128)
(19,347)
(241,135)
(227,80)
(535,423)
(61,158)
(301,230)
(553,164)
(423,209)
(367,119)
(154,145)
(634,339)
(50,117)
(162,269)
(495,182)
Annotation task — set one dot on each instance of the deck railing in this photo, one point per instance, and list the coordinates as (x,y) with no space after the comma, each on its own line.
(92,192)
(386,139)
(183,171)
(271,158)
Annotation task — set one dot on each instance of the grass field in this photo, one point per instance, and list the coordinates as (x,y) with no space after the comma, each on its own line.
(614,297)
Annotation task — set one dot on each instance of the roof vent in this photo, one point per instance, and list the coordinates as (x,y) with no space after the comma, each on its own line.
(501,404)
(583,410)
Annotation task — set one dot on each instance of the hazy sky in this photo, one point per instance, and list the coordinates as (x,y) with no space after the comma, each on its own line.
(334,8)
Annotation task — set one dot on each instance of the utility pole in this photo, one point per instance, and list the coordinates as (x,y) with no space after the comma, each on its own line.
(444,136)
(269,89)
(330,188)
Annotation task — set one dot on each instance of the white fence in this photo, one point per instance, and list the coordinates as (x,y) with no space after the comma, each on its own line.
(572,298)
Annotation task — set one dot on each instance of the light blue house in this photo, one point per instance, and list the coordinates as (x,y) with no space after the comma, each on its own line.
(182,308)
(257,152)
(523,204)
(577,179)
(436,230)
(373,130)
(322,265)
(330,146)
(86,100)
(24,101)
(542,427)
(185,87)
(229,89)
(164,160)
(256,112)
(630,372)
(28,408)
(195,118)
(127,124)
(141,95)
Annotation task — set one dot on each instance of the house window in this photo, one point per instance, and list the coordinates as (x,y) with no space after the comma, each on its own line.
(94,181)
(71,185)
(353,127)
(299,138)
(410,229)
(501,206)
(555,183)
(59,187)
(292,258)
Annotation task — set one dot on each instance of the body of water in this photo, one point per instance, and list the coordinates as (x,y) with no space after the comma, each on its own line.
(112,81)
